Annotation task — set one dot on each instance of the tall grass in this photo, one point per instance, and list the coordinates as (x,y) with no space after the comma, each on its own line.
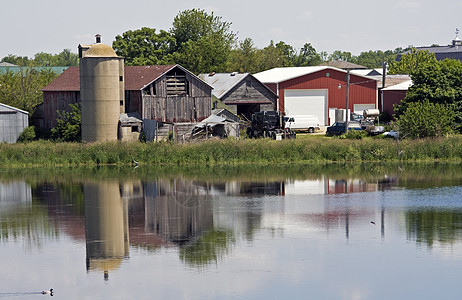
(230,152)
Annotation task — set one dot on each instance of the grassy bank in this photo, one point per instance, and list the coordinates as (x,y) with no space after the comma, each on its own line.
(262,151)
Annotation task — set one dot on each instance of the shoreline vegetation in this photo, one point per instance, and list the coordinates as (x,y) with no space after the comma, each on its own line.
(231,152)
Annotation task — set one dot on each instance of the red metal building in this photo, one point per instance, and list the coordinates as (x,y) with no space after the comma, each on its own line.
(319,91)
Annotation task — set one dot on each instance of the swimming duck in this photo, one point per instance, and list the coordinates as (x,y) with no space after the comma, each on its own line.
(50,292)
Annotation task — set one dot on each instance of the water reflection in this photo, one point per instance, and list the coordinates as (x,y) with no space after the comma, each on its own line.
(204,220)
(106,226)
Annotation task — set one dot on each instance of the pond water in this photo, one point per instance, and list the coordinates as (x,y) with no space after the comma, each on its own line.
(304,232)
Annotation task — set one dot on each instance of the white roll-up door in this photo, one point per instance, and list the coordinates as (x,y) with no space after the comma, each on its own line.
(306,102)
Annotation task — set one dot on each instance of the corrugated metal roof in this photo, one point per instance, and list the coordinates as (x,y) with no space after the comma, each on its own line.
(403,86)
(7,107)
(278,75)
(390,80)
(222,82)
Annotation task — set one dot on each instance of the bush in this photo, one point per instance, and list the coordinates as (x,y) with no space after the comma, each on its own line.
(425,119)
(69,127)
(27,135)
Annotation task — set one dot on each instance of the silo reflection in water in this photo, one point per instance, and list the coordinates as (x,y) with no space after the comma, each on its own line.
(106,226)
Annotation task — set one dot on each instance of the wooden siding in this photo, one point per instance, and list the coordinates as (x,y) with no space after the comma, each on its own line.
(362,90)
(250,91)
(194,106)
(174,109)
(57,101)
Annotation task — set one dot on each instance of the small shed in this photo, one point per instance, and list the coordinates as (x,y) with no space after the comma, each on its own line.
(394,95)
(13,121)
(242,93)
(130,125)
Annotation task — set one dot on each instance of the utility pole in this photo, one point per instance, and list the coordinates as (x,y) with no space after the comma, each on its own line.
(347,100)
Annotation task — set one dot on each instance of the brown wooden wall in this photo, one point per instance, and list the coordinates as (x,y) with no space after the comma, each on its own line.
(57,101)
(176,108)
(157,105)
(250,90)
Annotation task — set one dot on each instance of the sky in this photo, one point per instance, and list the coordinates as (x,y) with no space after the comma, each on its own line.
(29,26)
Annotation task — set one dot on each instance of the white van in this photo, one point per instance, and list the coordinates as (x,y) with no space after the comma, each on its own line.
(309,123)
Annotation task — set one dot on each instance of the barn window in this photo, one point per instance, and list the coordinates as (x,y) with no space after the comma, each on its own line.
(177,85)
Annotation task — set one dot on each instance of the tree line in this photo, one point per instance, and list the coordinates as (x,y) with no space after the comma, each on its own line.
(203,43)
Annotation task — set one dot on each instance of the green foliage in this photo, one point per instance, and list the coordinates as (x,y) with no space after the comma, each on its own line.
(411,61)
(425,119)
(23,89)
(27,135)
(203,41)
(64,59)
(68,126)
(354,135)
(230,152)
(436,82)
(375,59)
(145,47)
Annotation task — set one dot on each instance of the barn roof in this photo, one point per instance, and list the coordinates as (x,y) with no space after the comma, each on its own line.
(278,75)
(135,77)
(222,83)
(67,81)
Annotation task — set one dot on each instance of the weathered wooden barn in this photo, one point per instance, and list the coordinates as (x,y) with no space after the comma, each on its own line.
(241,92)
(13,121)
(166,93)
(319,91)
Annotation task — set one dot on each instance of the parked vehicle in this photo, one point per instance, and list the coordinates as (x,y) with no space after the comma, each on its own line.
(368,122)
(308,123)
(338,128)
(269,124)
(371,128)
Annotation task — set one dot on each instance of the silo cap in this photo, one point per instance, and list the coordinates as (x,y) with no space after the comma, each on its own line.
(100,50)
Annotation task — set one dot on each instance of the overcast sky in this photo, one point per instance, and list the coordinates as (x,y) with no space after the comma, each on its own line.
(29,26)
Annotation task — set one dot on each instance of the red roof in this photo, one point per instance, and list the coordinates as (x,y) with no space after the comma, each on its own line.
(136,78)
(69,80)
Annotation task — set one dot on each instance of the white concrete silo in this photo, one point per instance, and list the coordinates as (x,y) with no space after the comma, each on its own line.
(101,92)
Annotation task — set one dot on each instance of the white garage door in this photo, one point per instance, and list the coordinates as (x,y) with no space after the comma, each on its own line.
(306,102)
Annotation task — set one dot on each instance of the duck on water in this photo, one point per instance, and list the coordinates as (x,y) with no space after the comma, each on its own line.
(50,292)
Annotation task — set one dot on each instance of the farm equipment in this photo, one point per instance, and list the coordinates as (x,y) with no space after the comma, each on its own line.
(269,124)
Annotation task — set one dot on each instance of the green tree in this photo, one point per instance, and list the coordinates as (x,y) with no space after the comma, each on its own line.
(271,57)
(411,61)
(244,58)
(437,82)
(203,41)
(307,56)
(341,55)
(22,61)
(374,59)
(145,47)
(425,119)
(23,89)
(69,125)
